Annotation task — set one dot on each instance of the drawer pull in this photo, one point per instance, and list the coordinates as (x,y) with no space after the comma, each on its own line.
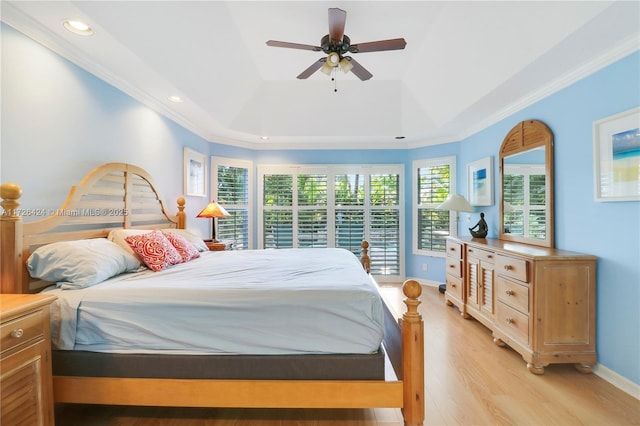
(508,267)
(453,285)
(452,248)
(510,292)
(511,321)
(489,256)
(17,333)
(452,266)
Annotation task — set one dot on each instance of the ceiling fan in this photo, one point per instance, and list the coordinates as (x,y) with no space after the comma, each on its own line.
(336,44)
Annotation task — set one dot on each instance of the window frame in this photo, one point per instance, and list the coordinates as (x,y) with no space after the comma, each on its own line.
(453,223)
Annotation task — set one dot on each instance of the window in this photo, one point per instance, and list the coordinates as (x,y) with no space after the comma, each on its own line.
(434,181)
(524,194)
(231,183)
(334,206)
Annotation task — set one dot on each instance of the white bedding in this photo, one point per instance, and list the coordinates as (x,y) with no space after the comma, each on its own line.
(286,301)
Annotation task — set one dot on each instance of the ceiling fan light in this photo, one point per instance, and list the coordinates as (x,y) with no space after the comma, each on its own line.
(326,68)
(333,59)
(345,65)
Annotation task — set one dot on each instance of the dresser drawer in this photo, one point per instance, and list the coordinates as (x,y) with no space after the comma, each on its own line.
(454,249)
(513,294)
(512,267)
(454,267)
(513,323)
(20,330)
(487,256)
(454,286)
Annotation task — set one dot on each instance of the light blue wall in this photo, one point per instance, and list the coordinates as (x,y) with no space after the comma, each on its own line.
(58,122)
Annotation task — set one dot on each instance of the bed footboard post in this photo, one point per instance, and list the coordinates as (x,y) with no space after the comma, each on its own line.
(10,240)
(181,215)
(364,257)
(412,356)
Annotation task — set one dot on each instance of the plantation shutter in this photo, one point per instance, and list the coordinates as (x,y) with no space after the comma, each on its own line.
(312,210)
(384,224)
(233,195)
(349,212)
(278,211)
(433,187)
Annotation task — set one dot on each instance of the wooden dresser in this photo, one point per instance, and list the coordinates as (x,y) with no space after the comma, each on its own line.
(25,360)
(540,301)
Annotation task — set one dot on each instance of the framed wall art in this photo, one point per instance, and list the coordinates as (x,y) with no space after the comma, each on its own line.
(616,157)
(195,173)
(480,182)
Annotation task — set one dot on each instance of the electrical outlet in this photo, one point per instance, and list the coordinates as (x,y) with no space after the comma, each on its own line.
(424,267)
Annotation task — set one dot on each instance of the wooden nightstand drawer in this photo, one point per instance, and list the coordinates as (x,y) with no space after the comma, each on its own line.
(21,330)
(25,361)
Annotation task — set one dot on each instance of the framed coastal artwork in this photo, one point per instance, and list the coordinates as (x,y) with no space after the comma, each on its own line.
(195,173)
(616,157)
(480,182)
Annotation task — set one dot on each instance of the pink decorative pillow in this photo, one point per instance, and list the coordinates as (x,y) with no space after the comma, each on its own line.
(187,250)
(155,250)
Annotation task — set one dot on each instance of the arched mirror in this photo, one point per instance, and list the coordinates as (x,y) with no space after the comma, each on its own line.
(526,182)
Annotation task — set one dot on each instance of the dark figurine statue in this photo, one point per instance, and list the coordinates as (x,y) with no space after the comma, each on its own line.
(482,228)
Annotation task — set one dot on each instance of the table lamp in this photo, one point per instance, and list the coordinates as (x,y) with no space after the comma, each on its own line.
(456,203)
(213,210)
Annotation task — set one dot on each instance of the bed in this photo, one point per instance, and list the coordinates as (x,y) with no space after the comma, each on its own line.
(316,373)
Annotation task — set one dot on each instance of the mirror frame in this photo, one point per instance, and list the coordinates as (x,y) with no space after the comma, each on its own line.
(525,136)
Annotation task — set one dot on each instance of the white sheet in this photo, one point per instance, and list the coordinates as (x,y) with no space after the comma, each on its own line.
(286,301)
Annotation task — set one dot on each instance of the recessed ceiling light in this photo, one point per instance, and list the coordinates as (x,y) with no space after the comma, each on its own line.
(176,99)
(78,27)
(264,138)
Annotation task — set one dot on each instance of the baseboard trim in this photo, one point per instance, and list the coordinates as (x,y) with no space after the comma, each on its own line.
(426,283)
(617,380)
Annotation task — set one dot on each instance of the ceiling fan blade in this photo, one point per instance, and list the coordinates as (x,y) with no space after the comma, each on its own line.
(358,69)
(313,68)
(376,46)
(275,43)
(337,20)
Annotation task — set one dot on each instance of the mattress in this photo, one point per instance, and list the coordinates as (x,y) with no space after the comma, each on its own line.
(264,302)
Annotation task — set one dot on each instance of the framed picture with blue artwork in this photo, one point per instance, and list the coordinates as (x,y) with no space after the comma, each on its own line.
(616,157)
(195,173)
(480,182)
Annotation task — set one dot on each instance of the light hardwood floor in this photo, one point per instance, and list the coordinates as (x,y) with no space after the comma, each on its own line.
(468,381)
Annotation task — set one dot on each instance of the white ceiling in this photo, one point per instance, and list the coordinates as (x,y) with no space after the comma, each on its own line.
(466,64)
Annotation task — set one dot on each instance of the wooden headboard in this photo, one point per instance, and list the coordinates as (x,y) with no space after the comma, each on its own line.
(111,196)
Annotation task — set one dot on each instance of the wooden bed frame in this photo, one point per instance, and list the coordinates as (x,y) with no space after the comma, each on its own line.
(118,195)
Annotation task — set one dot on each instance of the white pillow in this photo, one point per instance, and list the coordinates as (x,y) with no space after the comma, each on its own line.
(191,237)
(81,263)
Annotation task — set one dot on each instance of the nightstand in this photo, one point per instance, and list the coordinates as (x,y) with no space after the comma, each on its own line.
(25,359)
(220,245)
